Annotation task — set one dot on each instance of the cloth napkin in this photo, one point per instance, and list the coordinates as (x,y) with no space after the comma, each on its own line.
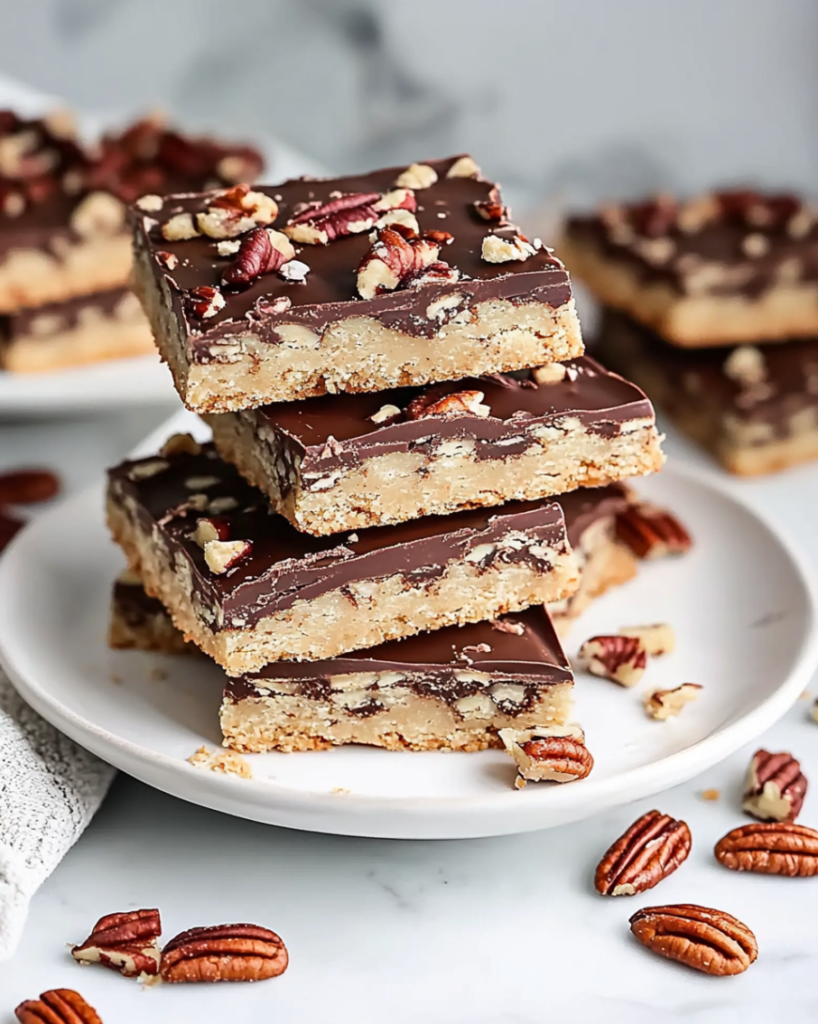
(50,788)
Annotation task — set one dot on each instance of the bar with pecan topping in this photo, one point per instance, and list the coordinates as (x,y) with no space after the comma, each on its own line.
(719,269)
(249,589)
(401,276)
(340,462)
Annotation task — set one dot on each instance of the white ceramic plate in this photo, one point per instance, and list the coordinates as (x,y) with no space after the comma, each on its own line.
(744,613)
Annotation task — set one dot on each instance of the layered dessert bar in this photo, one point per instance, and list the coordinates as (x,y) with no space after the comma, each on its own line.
(403,276)
(754,407)
(454,689)
(139,622)
(342,462)
(719,269)
(87,329)
(248,588)
(62,205)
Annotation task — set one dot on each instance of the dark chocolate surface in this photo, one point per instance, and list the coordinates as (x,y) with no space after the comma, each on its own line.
(285,565)
(330,292)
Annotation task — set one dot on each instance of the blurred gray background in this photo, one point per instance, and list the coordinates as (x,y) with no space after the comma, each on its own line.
(562,100)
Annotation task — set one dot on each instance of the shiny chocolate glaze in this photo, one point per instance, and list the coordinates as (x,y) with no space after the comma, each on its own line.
(330,291)
(285,565)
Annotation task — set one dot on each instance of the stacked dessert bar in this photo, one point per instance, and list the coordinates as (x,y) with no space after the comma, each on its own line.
(395,383)
(711,305)
(64,242)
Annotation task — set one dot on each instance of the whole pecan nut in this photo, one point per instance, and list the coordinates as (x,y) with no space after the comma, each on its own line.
(548,754)
(227,952)
(125,942)
(652,532)
(260,252)
(28,486)
(707,940)
(320,223)
(775,787)
(651,849)
(621,659)
(57,1006)
(770,848)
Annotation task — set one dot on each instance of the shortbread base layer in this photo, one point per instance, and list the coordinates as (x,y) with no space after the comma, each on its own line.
(104,341)
(783,312)
(292,722)
(354,354)
(140,623)
(399,486)
(360,614)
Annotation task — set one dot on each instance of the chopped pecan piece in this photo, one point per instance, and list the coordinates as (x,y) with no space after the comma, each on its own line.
(386,414)
(503,250)
(550,373)
(775,787)
(464,167)
(168,260)
(651,849)
(204,301)
(236,210)
(98,214)
(652,532)
(228,952)
(181,444)
(417,176)
(261,252)
(492,209)
(664,704)
(770,848)
(351,214)
(57,1006)
(438,272)
(222,555)
(395,257)
(657,639)
(456,403)
(621,659)
(707,940)
(127,942)
(555,754)
(746,365)
(214,528)
(180,228)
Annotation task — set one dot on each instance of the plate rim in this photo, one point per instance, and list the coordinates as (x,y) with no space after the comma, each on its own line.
(425,816)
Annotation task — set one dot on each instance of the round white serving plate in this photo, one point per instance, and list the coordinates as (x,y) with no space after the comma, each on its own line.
(743,610)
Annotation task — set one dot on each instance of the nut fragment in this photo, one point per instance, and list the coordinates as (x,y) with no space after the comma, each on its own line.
(224,762)
(168,260)
(463,167)
(503,250)
(651,849)
(417,176)
(456,403)
(210,529)
(621,659)
(127,942)
(395,256)
(551,373)
(548,754)
(181,444)
(222,555)
(664,704)
(492,209)
(147,468)
(204,301)
(57,1006)
(386,414)
(707,940)
(180,228)
(652,532)
(28,486)
(775,787)
(770,848)
(228,952)
(261,252)
(657,639)
(98,214)
(235,210)
(746,365)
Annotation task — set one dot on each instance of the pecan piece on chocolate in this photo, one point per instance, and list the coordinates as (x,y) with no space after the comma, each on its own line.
(395,257)
(505,250)
(261,252)
(621,659)
(28,486)
(127,942)
(417,176)
(775,787)
(222,555)
(651,849)
(57,1006)
(707,940)
(456,403)
(235,210)
(770,848)
(492,209)
(204,301)
(351,214)
(548,754)
(227,952)
(652,532)
(664,704)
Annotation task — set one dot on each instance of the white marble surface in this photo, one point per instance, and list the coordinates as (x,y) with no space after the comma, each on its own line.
(487,930)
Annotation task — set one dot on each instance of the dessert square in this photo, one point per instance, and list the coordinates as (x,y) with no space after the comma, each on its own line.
(341,462)
(402,276)
(755,408)
(62,205)
(719,269)
(139,622)
(248,588)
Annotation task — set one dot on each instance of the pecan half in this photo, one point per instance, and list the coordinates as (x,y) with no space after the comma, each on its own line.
(227,952)
(57,1006)
(28,486)
(204,301)
(222,555)
(351,214)
(652,848)
(770,848)
(707,940)
(775,787)
(652,532)
(621,659)
(456,403)
(555,754)
(260,252)
(664,704)
(126,942)
(396,255)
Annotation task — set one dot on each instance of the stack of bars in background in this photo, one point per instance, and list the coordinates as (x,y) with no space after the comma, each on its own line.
(395,382)
(711,305)
(65,252)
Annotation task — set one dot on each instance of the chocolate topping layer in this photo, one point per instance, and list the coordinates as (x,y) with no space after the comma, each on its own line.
(587,505)
(330,293)
(448,664)
(337,430)
(65,315)
(718,244)
(285,565)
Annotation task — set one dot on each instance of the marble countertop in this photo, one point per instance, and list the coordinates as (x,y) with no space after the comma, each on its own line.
(492,930)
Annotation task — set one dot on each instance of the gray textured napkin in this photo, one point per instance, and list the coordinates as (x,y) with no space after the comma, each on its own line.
(50,788)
